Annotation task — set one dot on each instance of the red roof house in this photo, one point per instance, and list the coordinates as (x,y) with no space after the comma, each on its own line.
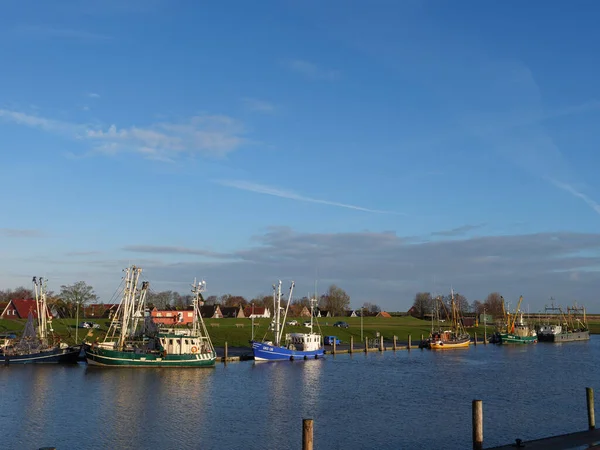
(172,317)
(19,309)
(256,311)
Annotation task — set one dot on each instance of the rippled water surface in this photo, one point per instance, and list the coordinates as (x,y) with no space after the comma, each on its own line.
(402,400)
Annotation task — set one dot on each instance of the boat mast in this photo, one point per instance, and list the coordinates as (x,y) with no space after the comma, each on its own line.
(140,309)
(39,286)
(197,291)
(286,311)
(276,307)
(132,275)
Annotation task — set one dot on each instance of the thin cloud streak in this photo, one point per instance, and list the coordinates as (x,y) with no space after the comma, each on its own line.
(458,230)
(276,192)
(211,135)
(20,233)
(254,104)
(571,190)
(172,250)
(312,71)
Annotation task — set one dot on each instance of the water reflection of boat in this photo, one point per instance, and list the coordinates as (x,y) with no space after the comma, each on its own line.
(133,340)
(295,345)
(453,338)
(37,344)
(517,332)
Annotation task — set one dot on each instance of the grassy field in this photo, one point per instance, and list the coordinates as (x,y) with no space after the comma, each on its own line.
(237,332)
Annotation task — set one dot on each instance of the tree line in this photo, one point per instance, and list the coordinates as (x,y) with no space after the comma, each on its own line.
(424,304)
(79,294)
(335,300)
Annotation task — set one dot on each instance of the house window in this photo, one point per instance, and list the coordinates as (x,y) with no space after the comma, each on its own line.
(186,342)
(169,315)
(190,314)
(158,314)
(170,341)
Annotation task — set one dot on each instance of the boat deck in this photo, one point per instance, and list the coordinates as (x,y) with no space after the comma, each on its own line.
(572,441)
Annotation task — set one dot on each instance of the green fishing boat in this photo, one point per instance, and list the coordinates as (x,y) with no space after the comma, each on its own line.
(134,340)
(517,332)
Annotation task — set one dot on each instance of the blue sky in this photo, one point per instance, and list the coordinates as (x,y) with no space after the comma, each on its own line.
(388,147)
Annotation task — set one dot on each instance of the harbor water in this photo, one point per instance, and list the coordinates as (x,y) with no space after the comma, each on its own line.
(392,400)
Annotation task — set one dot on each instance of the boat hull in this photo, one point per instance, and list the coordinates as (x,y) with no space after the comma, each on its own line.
(114,358)
(267,352)
(449,345)
(51,356)
(565,337)
(506,338)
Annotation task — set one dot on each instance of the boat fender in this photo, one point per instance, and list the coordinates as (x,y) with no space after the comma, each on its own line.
(164,353)
(291,358)
(305,357)
(194,349)
(316,357)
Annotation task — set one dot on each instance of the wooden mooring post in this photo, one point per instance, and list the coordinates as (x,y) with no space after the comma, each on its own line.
(477,425)
(225,359)
(475,338)
(334,338)
(351,349)
(366,344)
(590,408)
(395,339)
(485,337)
(307,434)
(381,347)
(409,341)
(422,340)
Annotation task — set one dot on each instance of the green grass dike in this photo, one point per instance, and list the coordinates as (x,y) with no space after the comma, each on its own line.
(238,332)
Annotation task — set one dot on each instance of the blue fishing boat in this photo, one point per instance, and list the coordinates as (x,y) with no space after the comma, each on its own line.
(294,345)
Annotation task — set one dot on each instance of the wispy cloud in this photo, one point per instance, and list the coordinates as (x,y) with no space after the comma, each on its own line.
(50,125)
(20,233)
(458,231)
(212,135)
(162,249)
(40,31)
(257,105)
(311,70)
(84,253)
(571,190)
(276,192)
(93,95)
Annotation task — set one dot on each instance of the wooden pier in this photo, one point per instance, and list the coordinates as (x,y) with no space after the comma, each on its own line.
(571,441)
(589,439)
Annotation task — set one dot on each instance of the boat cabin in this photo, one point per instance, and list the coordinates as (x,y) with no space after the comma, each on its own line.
(177,344)
(303,341)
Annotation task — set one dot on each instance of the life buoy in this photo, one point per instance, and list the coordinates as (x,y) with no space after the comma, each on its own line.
(164,353)
(194,349)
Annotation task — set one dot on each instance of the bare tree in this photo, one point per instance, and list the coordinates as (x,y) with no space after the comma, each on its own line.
(371,307)
(477,307)
(263,301)
(422,305)
(336,300)
(493,304)
(160,300)
(235,300)
(19,293)
(77,295)
(211,300)
(462,304)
